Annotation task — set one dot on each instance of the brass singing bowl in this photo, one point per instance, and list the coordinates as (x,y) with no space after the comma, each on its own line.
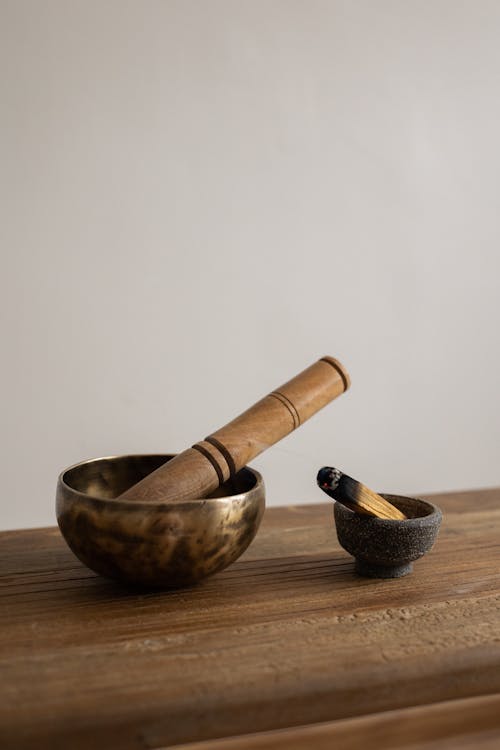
(154,545)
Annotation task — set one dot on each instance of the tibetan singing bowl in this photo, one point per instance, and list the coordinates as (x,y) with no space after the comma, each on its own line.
(155,545)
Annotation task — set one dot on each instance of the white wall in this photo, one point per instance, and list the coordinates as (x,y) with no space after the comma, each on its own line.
(202,197)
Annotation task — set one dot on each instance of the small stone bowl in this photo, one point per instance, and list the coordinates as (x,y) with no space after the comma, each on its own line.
(387,549)
(154,545)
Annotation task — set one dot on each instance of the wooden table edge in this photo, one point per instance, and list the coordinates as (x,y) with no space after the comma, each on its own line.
(397,728)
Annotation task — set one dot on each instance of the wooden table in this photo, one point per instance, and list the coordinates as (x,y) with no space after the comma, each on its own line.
(286,636)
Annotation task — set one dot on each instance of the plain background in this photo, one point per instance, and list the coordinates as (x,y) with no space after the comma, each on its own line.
(200,198)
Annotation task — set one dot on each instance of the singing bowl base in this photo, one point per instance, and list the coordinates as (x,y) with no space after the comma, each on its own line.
(154,545)
(387,549)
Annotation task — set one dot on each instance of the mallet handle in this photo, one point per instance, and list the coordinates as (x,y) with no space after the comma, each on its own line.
(198,471)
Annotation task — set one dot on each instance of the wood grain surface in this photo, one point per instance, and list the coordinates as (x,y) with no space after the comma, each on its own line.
(286,636)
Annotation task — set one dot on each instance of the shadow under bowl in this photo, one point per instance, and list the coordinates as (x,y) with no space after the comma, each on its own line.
(387,549)
(154,545)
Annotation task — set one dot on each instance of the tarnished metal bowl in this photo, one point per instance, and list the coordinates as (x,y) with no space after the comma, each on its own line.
(155,545)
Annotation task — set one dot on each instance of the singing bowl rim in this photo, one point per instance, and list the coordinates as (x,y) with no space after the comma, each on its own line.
(257,488)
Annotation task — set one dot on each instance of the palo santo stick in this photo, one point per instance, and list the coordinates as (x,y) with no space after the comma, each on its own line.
(356,496)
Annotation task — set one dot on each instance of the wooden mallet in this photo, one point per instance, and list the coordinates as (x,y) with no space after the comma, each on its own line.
(199,470)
